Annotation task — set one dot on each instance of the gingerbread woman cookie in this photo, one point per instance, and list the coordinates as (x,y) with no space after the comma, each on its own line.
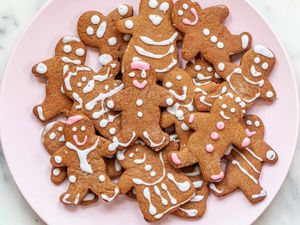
(99,31)
(159,188)
(83,155)
(214,133)
(140,104)
(248,82)
(69,51)
(89,90)
(245,165)
(205,33)
(154,38)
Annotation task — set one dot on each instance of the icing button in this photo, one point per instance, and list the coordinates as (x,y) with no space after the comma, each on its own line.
(209,148)
(214,136)
(220,125)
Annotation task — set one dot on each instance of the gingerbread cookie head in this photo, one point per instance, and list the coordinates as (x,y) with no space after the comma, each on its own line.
(139,75)
(99,31)
(53,136)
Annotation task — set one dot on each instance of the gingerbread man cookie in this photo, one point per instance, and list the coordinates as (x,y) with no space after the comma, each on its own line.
(245,165)
(99,31)
(83,155)
(154,38)
(214,133)
(205,33)
(89,90)
(159,188)
(140,104)
(69,51)
(248,82)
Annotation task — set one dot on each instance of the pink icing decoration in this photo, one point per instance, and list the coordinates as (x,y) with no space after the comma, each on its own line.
(214,136)
(218,177)
(209,148)
(220,125)
(140,85)
(140,65)
(192,118)
(175,159)
(246,142)
(250,133)
(73,119)
(188,22)
(78,143)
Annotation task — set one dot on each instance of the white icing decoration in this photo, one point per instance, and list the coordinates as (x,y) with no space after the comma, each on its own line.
(254,72)
(206,32)
(265,66)
(180,12)
(95,19)
(78,99)
(89,197)
(220,45)
(180,97)
(68,60)
(168,41)
(262,50)
(152,209)
(139,102)
(109,199)
(168,68)
(222,113)
(179,78)
(146,53)
(67,48)
(185,6)
(79,84)
(253,154)
(41,68)
(153,4)
(52,136)
(157,192)
(80,52)
(213,39)
(117,165)
(83,128)
(182,186)
(123,10)
(129,24)
(115,144)
(112,41)
(197,198)
(189,212)
(58,159)
(68,39)
(112,131)
(213,187)
(271,155)
(198,184)
(152,173)
(185,127)
(262,194)
(90,31)
(245,41)
(72,179)
(164,7)
(195,173)
(101,30)
(247,161)
(74,129)
(257,60)
(249,122)
(235,162)
(148,167)
(104,59)
(40,113)
(140,114)
(101,178)
(257,123)
(198,68)
(270,94)
(221,66)
(62,139)
(153,144)
(56,172)
(155,19)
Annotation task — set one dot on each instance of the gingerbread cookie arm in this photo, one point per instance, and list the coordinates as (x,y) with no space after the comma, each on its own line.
(44,69)
(125,181)
(182,158)
(103,148)
(165,98)
(267,154)
(268,93)
(127,26)
(189,48)
(219,12)
(196,120)
(166,120)
(60,158)
(123,11)
(239,136)
(109,71)
(241,42)
(116,101)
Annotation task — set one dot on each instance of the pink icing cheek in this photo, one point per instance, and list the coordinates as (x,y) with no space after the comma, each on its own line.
(214,136)
(220,125)
(192,118)
(209,148)
(246,142)
(175,159)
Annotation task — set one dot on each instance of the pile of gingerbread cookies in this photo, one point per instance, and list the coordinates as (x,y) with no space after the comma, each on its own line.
(146,127)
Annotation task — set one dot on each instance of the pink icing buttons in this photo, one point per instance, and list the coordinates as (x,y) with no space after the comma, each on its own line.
(220,125)
(214,136)
(192,118)
(209,148)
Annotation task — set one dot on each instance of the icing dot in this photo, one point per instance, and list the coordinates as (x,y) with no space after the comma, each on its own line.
(168,84)
(72,179)
(153,4)
(90,31)
(265,66)
(58,159)
(213,39)
(198,67)
(123,10)
(220,97)
(221,66)
(214,136)
(179,77)
(131,74)
(270,94)
(140,114)
(110,104)
(152,173)
(209,69)
(103,123)
(131,155)
(80,51)
(257,123)
(148,167)
(209,148)
(67,48)
(106,87)
(271,155)
(243,104)
(127,37)
(112,41)
(224,106)
(105,59)
(169,101)
(238,99)
(95,19)
(232,110)
(52,136)
(230,95)
(56,172)
(41,68)
(74,129)
(112,131)
(101,178)
(164,6)
(139,102)
(83,128)
(220,45)
(217,76)
(83,79)
(185,127)
(257,60)
(249,122)
(179,114)
(60,129)
(220,125)
(206,32)
(185,6)
(129,24)
(180,12)
(79,84)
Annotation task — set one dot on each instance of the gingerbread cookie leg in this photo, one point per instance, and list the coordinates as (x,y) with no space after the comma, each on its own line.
(225,187)
(182,158)
(76,192)
(156,138)
(58,175)
(241,42)
(253,191)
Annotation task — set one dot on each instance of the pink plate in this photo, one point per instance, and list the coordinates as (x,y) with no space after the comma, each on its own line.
(29,163)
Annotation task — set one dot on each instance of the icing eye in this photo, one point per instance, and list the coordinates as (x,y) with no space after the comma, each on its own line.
(132,74)
(67,49)
(180,12)
(153,4)
(209,69)
(265,66)
(95,19)
(74,129)
(79,84)
(90,31)
(83,79)
(232,110)
(168,84)
(144,74)
(164,7)
(224,106)
(257,123)
(79,51)
(83,128)
(249,122)
(185,6)
(238,99)
(257,60)
(198,67)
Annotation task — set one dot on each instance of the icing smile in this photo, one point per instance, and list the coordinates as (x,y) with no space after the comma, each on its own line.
(224,116)
(77,142)
(192,23)
(180,97)
(254,72)
(139,85)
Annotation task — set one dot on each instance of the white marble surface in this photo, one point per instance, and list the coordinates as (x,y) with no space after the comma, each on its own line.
(283,16)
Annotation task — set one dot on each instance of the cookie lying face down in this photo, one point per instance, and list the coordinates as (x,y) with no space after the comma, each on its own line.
(249,81)
(82,155)
(154,38)
(214,133)
(245,165)
(69,51)
(160,189)
(214,40)
(99,31)
(140,103)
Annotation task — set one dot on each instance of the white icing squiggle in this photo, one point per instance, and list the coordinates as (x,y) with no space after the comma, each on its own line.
(146,53)
(169,41)
(235,162)
(153,144)
(182,186)
(77,98)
